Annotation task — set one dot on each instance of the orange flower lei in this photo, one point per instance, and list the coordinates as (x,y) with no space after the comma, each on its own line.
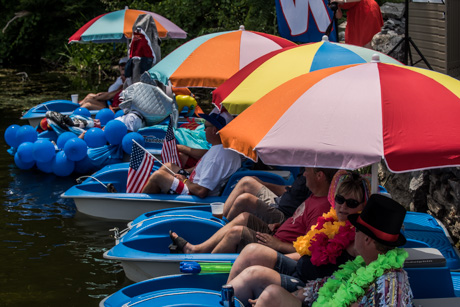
(330,227)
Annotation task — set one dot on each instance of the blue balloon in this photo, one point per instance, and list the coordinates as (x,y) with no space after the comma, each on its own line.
(119,113)
(46,167)
(114,132)
(95,137)
(84,166)
(25,152)
(61,165)
(63,138)
(10,135)
(21,164)
(26,134)
(43,151)
(82,112)
(105,115)
(75,149)
(127,142)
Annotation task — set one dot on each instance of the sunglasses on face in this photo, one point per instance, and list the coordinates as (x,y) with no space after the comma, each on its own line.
(351,203)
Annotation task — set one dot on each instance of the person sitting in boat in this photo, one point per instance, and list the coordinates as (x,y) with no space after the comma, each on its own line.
(247,228)
(326,245)
(111,97)
(210,173)
(272,203)
(374,278)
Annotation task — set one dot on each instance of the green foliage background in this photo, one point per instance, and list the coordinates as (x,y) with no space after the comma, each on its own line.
(39,39)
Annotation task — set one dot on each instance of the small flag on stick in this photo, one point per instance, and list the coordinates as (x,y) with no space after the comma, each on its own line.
(169,150)
(139,169)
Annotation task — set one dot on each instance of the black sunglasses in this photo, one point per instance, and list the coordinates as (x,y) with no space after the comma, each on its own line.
(351,203)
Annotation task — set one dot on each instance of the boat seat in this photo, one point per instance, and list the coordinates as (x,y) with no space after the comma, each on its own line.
(429,277)
(424,257)
(280,177)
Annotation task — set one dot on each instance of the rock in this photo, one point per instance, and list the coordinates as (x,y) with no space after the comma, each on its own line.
(393,10)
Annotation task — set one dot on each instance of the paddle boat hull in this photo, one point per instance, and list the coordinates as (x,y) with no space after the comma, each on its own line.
(142,248)
(91,196)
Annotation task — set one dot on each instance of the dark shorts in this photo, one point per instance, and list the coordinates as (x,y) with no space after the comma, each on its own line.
(287,267)
(249,232)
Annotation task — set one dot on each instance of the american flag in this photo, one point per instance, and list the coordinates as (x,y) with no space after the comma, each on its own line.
(139,169)
(169,150)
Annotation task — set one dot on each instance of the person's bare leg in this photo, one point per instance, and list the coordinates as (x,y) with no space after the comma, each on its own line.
(161,180)
(253,254)
(244,203)
(276,296)
(252,282)
(208,245)
(245,185)
(229,242)
(93,104)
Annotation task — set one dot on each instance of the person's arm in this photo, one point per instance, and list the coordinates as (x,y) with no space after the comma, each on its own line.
(106,95)
(194,189)
(195,153)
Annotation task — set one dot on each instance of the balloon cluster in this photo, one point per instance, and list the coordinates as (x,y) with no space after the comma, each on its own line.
(70,152)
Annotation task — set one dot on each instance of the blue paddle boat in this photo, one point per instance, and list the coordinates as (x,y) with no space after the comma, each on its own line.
(92,198)
(37,113)
(432,283)
(142,248)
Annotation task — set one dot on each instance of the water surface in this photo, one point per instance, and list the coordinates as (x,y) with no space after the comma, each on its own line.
(50,255)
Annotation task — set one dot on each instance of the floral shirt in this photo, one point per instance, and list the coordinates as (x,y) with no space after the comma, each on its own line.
(390,289)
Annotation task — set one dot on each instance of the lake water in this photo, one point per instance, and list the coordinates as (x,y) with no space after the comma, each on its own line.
(50,255)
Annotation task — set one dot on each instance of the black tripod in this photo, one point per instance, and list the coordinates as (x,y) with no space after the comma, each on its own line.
(407,42)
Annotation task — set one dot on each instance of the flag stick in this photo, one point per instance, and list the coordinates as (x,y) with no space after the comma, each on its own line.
(155,158)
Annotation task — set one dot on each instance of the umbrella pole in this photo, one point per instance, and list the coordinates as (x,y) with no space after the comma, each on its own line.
(374,178)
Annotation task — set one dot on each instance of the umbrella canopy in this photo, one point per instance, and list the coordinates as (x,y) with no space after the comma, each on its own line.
(209,60)
(271,70)
(117,27)
(353,116)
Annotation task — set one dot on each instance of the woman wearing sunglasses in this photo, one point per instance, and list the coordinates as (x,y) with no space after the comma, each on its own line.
(326,245)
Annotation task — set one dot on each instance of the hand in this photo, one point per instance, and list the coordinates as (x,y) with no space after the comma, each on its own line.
(267,240)
(252,302)
(180,177)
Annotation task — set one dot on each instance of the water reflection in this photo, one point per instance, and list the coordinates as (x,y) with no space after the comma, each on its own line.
(36,195)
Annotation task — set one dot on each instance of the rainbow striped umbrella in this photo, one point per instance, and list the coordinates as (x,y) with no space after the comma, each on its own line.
(275,68)
(117,27)
(353,116)
(209,60)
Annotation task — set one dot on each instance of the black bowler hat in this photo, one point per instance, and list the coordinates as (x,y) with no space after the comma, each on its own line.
(381,219)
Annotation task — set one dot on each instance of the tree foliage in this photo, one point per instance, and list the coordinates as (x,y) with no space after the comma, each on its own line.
(40,35)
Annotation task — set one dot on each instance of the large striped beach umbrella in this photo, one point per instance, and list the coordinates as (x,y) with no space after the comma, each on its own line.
(117,27)
(275,68)
(209,60)
(353,116)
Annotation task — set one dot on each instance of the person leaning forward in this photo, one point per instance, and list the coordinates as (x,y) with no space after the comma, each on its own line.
(208,176)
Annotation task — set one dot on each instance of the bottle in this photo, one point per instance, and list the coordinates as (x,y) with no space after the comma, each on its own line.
(228,296)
